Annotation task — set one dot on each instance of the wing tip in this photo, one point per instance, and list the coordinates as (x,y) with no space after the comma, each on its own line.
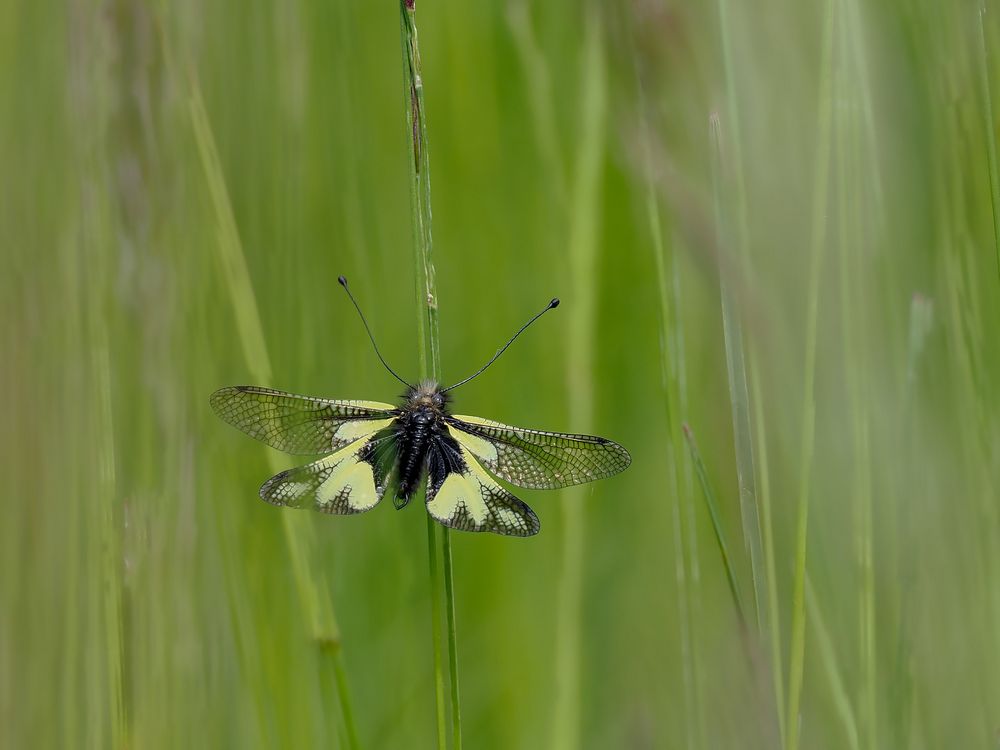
(220,396)
(218,400)
(276,479)
(626,456)
(621,453)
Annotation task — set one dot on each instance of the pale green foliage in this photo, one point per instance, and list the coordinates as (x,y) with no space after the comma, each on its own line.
(183,183)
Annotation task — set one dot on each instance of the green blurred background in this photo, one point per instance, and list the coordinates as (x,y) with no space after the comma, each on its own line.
(182,184)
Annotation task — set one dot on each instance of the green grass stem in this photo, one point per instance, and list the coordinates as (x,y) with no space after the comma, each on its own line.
(538,78)
(682,506)
(110,521)
(831,667)
(429,352)
(852,237)
(725,14)
(796,659)
(300,536)
(989,120)
(767,525)
(434,574)
(739,396)
(582,255)
(684,541)
(713,513)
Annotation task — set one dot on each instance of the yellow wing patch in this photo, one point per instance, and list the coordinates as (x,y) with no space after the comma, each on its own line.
(352,480)
(459,492)
(471,500)
(371,405)
(359,428)
(340,483)
(479,447)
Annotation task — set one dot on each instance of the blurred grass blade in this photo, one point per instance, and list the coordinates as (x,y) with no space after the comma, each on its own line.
(921,323)
(989,126)
(299,533)
(853,179)
(767,523)
(582,251)
(727,46)
(538,77)
(672,367)
(796,659)
(739,397)
(831,667)
(713,513)
(111,531)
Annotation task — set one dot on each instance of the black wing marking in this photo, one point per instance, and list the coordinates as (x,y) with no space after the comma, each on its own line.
(352,480)
(536,459)
(461,495)
(298,424)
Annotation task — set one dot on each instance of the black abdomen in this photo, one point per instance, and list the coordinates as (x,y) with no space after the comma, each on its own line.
(415,433)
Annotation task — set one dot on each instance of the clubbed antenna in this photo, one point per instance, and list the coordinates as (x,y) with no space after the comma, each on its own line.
(552,304)
(343,283)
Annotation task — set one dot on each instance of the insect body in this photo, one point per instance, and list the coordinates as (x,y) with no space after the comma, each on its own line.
(370,448)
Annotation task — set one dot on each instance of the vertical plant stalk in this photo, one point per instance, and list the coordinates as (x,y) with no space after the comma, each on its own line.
(100,582)
(831,667)
(796,659)
(299,533)
(853,308)
(538,80)
(713,514)
(673,372)
(110,523)
(774,618)
(430,354)
(739,395)
(733,105)
(683,515)
(583,230)
(757,539)
(990,134)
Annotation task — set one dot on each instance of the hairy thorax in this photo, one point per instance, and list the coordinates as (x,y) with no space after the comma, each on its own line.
(426,397)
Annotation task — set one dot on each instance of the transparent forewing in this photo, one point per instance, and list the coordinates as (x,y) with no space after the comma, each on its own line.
(350,481)
(536,459)
(461,495)
(299,424)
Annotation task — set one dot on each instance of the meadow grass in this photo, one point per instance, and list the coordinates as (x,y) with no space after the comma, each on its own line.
(812,288)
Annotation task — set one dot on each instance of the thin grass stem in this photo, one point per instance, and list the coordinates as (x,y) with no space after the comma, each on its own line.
(713,512)
(796,660)
(435,580)
(731,181)
(739,397)
(853,305)
(538,79)
(767,525)
(300,537)
(733,106)
(989,118)
(582,244)
(672,367)
(831,665)
(429,354)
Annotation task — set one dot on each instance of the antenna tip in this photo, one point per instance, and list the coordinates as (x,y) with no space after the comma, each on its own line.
(343,281)
(554,303)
